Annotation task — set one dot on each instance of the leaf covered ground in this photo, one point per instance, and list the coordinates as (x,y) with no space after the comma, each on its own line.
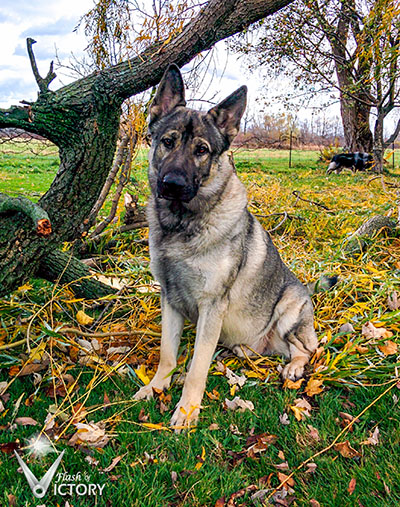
(331,439)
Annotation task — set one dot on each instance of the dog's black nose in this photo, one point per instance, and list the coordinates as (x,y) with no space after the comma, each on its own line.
(173,185)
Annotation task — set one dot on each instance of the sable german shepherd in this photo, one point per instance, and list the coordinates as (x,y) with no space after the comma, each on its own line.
(216,265)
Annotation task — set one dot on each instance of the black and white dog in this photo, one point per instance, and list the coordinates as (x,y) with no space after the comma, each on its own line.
(355,161)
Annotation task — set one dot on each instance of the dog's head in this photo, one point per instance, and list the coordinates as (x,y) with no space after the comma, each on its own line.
(185,143)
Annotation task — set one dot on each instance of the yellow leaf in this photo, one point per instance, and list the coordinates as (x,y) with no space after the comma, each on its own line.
(152,426)
(83,318)
(293,385)
(37,353)
(314,386)
(202,459)
(233,390)
(298,412)
(141,373)
(388,348)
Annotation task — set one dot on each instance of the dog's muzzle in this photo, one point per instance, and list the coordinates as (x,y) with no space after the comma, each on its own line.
(174,186)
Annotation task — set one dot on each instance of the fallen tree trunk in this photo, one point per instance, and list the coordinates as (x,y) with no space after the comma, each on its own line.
(358,240)
(82,119)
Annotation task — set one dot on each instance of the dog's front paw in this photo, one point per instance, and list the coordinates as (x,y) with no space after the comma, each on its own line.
(185,416)
(295,369)
(146,392)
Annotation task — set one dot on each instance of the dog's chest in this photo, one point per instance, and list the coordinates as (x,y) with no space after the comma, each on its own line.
(190,281)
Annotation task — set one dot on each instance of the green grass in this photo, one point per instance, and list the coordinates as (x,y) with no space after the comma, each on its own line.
(310,243)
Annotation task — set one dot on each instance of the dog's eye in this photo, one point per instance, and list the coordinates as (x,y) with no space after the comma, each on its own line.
(168,143)
(201,150)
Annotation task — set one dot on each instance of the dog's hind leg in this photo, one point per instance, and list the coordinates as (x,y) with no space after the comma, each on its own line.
(172,327)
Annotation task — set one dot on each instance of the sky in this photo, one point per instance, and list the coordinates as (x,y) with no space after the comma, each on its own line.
(51,23)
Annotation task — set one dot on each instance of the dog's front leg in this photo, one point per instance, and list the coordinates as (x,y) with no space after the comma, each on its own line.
(171,332)
(209,326)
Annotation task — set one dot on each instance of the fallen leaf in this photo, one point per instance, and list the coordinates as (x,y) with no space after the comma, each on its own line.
(313,433)
(352,486)
(289,481)
(393,301)
(301,409)
(388,348)
(311,468)
(213,427)
(201,458)
(214,395)
(282,466)
(373,439)
(284,419)
(26,421)
(289,384)
(345,449)
(370,331)
(141,373)
(314,503)
(9,447)
(27,369)
(113,464)
(91,434)
(239,404)
(314,387)
(83,318)
(346,328)
(12,500)
(92,461)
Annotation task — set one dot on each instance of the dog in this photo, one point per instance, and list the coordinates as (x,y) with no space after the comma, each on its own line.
(216,265)
(355,161)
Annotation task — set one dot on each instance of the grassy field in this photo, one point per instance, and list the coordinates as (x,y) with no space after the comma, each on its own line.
(341,440)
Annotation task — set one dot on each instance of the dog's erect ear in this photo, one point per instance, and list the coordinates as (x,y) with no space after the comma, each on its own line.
(170,94)
(228,113)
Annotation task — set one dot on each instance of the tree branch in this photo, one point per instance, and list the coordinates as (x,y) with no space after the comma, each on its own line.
(393,137)
(38,216)
(43,83)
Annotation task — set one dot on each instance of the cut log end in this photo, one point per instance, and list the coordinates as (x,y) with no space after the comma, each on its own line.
(43,227)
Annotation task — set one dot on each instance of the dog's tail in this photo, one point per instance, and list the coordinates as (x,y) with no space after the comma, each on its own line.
(332,166)
(323,284)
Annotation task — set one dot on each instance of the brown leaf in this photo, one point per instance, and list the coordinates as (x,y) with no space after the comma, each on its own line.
(12,500)
(289,384)
(213,427)
(238,404)
(314,503)
(314,387)
(370,331)
(313,433)
(393,301)
(9,447)
(311,467)
(289,480)
(26,421)
(373,439)
(352,486)
(220,502)
(346,328)
(345,449)
(388,348)
(106,400)
(301,409)
(143,417)
(113,464)
(282,466)
(92,434)
(28,369)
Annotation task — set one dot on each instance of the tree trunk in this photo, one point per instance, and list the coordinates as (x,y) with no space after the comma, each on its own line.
(356,129)
(82,119)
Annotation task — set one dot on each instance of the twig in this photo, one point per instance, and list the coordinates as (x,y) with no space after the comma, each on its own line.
(344,430)
(296,193)
(132,332)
